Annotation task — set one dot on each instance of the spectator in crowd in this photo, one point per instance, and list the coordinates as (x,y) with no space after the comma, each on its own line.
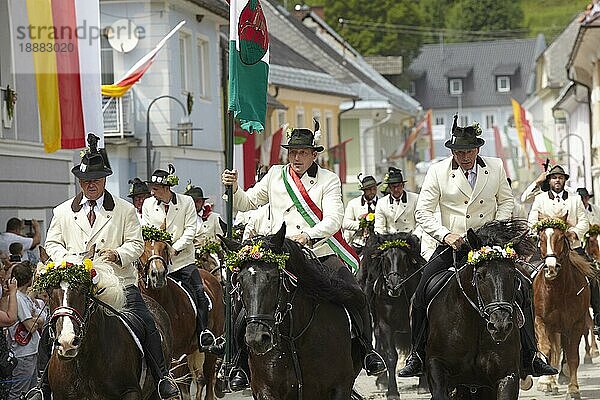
(14,229)
(4,260)
(8,316)
(16,252)
(23,336)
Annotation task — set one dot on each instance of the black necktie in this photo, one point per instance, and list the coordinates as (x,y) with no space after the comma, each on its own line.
(92,215)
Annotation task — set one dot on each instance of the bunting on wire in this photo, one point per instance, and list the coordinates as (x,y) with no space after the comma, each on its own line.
(528,134)
(135,73)
(248,64)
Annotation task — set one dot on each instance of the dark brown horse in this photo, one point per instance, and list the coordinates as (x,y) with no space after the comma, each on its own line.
(178,304)
(95,357)
(390,282)
(562,300)
(474,343)
(299,339)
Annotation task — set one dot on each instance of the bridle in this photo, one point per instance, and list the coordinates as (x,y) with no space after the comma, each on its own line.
(387,280)
(80,322)
(153,257)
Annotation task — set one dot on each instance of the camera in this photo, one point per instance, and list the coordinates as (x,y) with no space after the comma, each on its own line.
(27,228)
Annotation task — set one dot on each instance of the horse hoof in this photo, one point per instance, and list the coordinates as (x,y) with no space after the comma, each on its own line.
(562,379)
(392,397)
(526,383)
(573,396)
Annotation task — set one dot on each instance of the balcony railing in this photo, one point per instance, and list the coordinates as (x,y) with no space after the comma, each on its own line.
(118,114)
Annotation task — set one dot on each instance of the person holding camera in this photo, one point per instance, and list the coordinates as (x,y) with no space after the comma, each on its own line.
(13,234)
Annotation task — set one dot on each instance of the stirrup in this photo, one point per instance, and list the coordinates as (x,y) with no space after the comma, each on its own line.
(31,394)
(168,378)
(212,336)
(232,373)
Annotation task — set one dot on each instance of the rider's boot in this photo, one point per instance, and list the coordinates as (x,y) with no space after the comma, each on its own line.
(167,389)
(532,364)
(373,363)
(238,377)
(595,303)
(414,362)
(40,392)
(206,338)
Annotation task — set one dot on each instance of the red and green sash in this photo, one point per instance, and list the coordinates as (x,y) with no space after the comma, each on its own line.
(312,214)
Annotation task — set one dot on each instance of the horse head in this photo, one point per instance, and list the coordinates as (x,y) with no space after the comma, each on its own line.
(397,256)
(262,285)
(154,263)
(591,243)
(71,285)
(495,284)
(554,244)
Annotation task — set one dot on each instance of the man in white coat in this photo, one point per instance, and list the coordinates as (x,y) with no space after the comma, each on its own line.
(591,210)
(469,190)
(320,189)
(177,213)
(396,211)
(359,208)
(97,218)
(208,223)
(138,193)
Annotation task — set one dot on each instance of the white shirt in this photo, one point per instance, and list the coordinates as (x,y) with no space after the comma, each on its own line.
(7,238)
(472,175)
(86,205)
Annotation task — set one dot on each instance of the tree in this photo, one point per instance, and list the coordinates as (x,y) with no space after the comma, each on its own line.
(372,27)
(487,16)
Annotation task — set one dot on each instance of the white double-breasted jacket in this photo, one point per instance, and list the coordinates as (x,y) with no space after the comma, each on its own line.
(180,222)
(545,205)
(462,207)
(355,209)
(393,216)
(323,187)
(116,227)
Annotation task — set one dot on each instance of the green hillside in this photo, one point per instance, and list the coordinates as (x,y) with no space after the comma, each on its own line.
(550,17)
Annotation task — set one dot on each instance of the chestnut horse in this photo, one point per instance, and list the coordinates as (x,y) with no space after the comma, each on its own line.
(95,356)
(562,300)
(592,249)
(154,282)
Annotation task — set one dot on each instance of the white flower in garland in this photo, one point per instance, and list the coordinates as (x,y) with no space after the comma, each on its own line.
(487,253)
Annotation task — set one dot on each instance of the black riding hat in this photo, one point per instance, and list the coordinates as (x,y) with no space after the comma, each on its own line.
(367,182)
(464,138)
(195,192)
(162,177)
(557,170)
(394,175)
(94,162)
(584,192)
(137,187)
(302,138)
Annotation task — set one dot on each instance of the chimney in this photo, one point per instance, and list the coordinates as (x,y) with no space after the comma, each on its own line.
(319,10)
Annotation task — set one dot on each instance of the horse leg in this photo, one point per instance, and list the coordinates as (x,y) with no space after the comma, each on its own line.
(587,359)
(210,373)
(437,377)
(508,387)
(195,362)
(572,353)
(388,344)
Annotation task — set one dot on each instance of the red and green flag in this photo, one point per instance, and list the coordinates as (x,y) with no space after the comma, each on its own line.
(248,64)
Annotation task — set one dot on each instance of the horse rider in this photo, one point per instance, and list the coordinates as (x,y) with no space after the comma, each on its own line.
(208,222)
(591,210)
(322,188)
(558,201)
(138,192)
(177,213)
(95,217)
(469,190)
(395,212)
(359,208)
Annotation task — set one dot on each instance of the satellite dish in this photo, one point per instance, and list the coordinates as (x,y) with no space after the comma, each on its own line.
(122,35)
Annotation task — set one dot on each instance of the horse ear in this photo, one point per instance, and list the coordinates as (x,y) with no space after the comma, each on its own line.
(44,257)
(564,217)
(91,252)
(473,239)
(230,244)
(163,226)
(542,216)
(277,239)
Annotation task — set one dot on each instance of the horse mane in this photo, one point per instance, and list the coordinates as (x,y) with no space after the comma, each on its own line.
(372,253)
(110,290)
(581,264)
(318,282)
(503,232)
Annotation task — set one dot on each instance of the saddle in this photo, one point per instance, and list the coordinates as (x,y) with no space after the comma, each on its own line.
(435,285)
(190,295)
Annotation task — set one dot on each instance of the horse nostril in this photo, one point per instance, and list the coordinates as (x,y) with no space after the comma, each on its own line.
(265,338)
(491,327)
(76,342)
(153,274)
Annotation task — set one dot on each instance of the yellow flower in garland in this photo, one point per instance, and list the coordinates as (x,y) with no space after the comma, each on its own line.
(63,264)
(87,263)
(50,266)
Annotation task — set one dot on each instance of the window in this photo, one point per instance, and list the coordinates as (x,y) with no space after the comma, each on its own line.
(456,86)
(316,116)
(280,118)
(412,89)
(329,128)
(503,84)
(464,120)
(203,68)
(299,118)
(439,120)
(106,61)
(489,121)
(184,57)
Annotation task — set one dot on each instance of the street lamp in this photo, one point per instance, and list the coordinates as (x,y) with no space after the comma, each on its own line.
(185,125)
(569,152)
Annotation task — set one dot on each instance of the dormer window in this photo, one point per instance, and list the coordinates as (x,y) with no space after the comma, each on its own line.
(456,86)
(503,84)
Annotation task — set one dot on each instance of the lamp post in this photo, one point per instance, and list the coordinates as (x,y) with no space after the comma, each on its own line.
(569,152)
(148,142)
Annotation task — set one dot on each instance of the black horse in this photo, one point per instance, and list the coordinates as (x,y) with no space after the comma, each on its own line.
(473,343)
(390,272)
(298,336)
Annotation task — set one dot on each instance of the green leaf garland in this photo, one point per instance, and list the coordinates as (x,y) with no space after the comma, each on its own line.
(160,235)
